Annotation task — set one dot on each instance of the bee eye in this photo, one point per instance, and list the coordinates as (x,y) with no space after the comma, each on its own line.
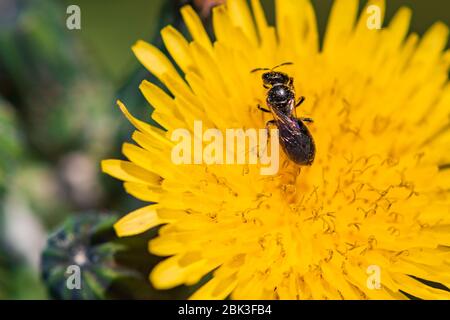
(282,78)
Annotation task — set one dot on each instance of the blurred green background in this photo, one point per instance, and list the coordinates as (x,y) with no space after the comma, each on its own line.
(58,119)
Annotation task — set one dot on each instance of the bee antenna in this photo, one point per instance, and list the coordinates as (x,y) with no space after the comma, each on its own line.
(283,64)
(259,69)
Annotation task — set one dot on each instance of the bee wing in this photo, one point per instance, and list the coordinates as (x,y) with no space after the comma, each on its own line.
(288,129)
(293,108)
(291,131)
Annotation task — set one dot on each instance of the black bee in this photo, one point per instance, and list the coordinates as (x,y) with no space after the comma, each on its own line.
(295,138)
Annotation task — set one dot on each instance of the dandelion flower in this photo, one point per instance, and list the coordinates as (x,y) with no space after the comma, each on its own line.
(377,194)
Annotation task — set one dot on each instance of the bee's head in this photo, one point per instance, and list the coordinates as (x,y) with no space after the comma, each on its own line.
(272,78)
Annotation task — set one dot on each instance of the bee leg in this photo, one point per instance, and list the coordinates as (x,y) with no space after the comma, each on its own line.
(307,120)
(268,124)
(291,82)
(266,86)
(300,101)
(263,109)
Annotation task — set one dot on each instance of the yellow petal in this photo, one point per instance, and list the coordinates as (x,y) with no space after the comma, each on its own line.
(178,48)
(179,269)
(155,133)
(340,24)
(240,15)
(296,20)
(138,221)
(195,27)
(142,192)
(128,171)
(166,246)
(153,59)
(418,289)
(164,106)
(260,18)
(432,44)
(399,26)
(267,34)
(146,158)
(221,23)
(215,289)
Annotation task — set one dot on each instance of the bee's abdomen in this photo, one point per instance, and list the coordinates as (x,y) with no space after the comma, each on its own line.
(297,142)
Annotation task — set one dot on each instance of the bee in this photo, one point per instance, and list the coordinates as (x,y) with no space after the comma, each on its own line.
(295,138)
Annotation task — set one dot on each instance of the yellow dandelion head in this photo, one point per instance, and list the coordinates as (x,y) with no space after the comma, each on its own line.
(375,198)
